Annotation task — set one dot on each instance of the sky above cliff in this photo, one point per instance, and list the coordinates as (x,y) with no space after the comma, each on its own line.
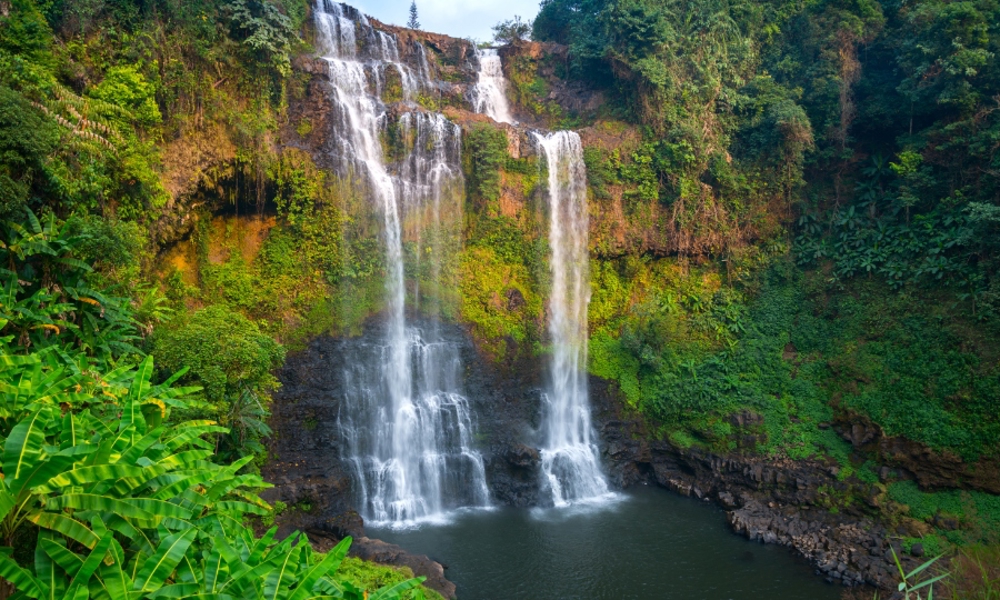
(458,18)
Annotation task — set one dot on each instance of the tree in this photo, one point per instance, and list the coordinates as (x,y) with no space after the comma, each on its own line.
(511,30)
(414,22)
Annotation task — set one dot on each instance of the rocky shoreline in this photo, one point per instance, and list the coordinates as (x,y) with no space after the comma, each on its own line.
(777,501)
(773,501)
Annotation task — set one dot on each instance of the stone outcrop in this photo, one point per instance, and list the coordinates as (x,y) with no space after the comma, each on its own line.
(527,60)
(931,469)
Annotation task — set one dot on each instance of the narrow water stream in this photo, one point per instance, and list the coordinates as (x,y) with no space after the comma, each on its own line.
(649,545)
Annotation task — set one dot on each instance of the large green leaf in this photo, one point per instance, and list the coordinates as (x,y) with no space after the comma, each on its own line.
(25,582)
(24,445)
(238,583)
(393,592)
(132,417)
(140,384)
(160,565)
(71,528)
(99,504)
(9,360)
(240,507)
(123,527)
(216,570)
(160,508)
(7,502)
(116,581)
(222,488)
(136,486)
(261,546)
(328,565)
(70,434)
(41,471)
(176,484)
(140,447)
(87,475)
(46,571)
(190,432)
(66,559)
(281,577)
(184,459)
(177,590)
(93,560)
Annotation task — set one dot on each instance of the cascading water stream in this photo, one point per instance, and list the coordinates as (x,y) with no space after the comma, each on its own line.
(570,464)
(407,428)
(489,97)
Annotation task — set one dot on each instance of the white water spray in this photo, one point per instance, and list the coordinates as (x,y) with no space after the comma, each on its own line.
(570,464)
(489,97)
(407,427)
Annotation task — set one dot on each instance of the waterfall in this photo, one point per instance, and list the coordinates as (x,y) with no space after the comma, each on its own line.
(489,97)
(407,429)
(570,465)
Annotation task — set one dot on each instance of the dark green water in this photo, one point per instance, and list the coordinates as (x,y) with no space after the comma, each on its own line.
(650,545)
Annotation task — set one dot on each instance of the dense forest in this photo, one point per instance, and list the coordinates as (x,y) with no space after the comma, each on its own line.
(794,246)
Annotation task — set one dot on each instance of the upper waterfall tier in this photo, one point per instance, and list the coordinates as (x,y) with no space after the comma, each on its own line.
(489,97)
(344,34)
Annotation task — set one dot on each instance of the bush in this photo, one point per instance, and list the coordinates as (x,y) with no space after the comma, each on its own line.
(232,360)
(125,86)
(226,352)
(486,149)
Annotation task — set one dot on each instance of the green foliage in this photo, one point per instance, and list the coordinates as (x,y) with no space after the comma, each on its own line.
(680,351)
(485,149)
(127,506)
(530,83)
(126,87)
(47,298)
(747,101)
(366,575)
(26,140)
(916,588)
(266,32)
(104,493)
(978,511)
(500,301)
(231,359)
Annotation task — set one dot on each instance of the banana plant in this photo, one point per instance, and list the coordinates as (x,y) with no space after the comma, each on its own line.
(57,464)
(51,378)
(192,565)
(45,296)
(128,507)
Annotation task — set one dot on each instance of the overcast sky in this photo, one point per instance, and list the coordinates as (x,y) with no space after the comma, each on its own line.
(458,18)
